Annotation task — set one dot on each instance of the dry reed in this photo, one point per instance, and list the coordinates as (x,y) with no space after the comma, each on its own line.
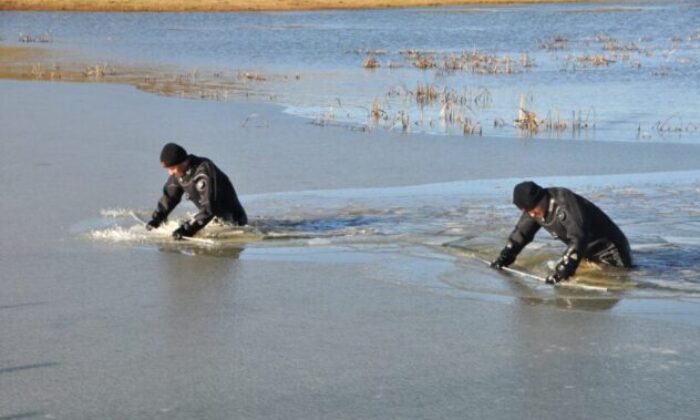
(370,62)
(527,120)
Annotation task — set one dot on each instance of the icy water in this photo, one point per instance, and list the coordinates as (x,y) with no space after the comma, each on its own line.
(372,192)
(621,72)
(466,223)
(356,293)
(360,289)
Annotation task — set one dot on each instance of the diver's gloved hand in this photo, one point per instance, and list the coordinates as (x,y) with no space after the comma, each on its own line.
(178,233)
(506,258)
(153,224)
(565,268)
(553,278)
(157,219)
(185,230)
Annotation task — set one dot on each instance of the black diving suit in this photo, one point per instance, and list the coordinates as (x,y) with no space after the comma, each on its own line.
(586,230)
(209,189)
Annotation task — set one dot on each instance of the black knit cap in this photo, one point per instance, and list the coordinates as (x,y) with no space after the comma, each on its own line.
(172,155)
(527,195)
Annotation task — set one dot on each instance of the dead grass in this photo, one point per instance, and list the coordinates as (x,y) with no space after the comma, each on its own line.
(474,61)
(597,60)
(98,71)
(554,122)
(527,120)
(559,42)
(376,112)
(612,51)
(44,65)
(370,62)
(424,62)
(405,121)
(454,109)
(258,77)
(425,94)
(674,124)
(529,123)
(469,128)
(43,38)
(581,120)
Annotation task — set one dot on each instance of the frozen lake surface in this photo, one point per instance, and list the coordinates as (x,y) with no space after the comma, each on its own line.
(344,302)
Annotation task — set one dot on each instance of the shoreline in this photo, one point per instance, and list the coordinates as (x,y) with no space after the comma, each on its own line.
(254,5)
(40,64)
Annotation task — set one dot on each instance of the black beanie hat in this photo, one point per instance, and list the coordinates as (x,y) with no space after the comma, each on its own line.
(527,195)
(172,155)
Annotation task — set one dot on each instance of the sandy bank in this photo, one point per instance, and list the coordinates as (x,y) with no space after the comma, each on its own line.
(240,5)
(40,64)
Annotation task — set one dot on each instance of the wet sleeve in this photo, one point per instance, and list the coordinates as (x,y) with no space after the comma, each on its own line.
(205,183)
(572,217)
(172,194)
(523,233)
(574,221)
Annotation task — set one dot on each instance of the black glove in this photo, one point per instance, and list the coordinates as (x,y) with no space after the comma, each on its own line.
(565,268)
(185,230)
(156,219)
(553,279)
(179,233)
(153,224)
(506,258)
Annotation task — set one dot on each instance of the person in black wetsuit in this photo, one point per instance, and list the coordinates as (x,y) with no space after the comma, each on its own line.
(202,183)
(581,225)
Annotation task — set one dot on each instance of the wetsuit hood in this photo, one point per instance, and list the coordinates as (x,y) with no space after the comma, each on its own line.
(172,154)
(527,195)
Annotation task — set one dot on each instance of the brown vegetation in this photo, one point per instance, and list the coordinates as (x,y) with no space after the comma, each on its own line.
(454,108)
(41,64)
(527,120)
(474,61)
(370,63)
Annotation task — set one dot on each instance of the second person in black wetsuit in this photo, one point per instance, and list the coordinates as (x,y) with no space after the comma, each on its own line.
(581,225)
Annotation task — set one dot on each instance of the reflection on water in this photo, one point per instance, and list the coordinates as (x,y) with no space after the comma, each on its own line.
(199,291)
(195,250)
(584,70)
(660,221)
(574,302)
(182,270)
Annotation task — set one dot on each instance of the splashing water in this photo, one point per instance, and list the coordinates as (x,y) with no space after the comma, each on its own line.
(464,221)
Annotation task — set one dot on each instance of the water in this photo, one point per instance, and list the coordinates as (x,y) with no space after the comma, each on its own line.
(418,209)
(437,221)
(646,92)
(358,291)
